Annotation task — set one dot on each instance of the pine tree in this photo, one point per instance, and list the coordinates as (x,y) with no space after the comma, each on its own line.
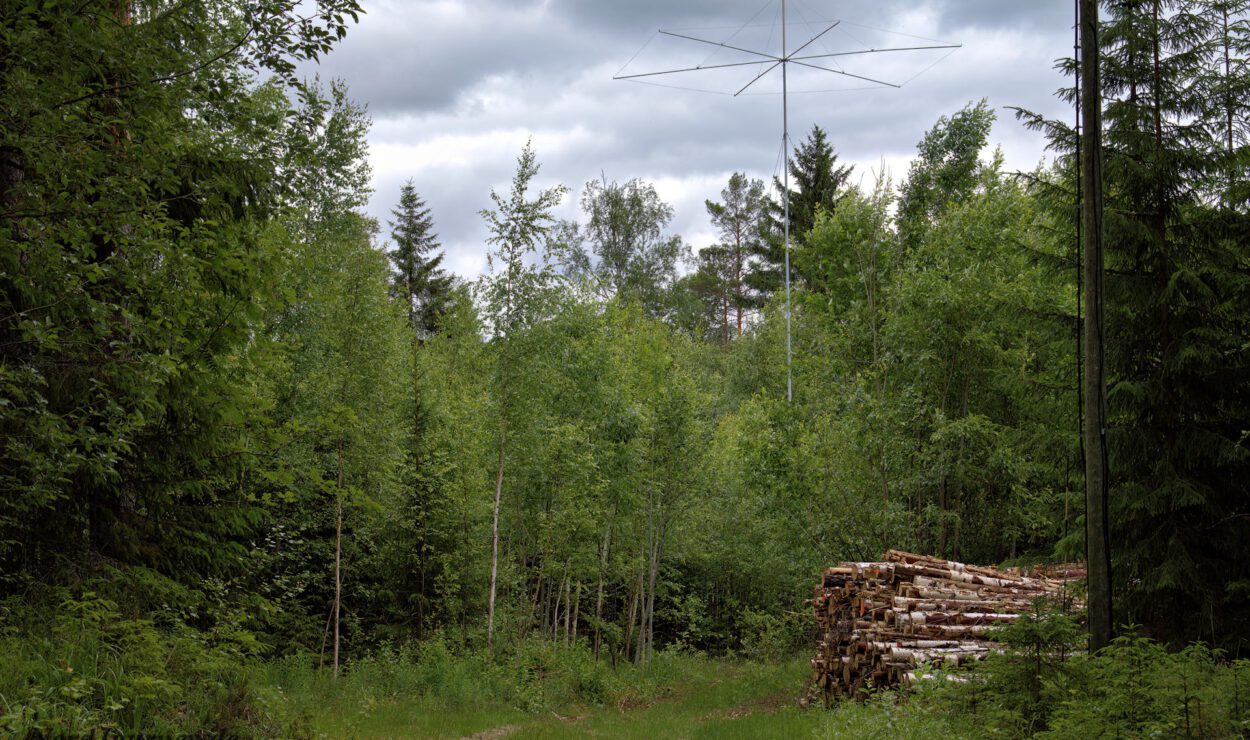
(713,284)
(741,220)
(419,280)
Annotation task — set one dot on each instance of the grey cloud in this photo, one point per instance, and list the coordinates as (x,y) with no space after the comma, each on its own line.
(957,14)
(455,87)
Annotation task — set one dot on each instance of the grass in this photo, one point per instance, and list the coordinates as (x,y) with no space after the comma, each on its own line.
(681,696)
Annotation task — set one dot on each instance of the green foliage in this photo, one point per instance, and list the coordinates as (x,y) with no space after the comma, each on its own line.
(136,259)
(515,292)
(621,249)
(530,675)
(724,279)
(1176,308)
(817,184)
(170,662)
(1135,688)
(945,171)
(215,412)
(1042,687)
(419,279)
(770,637)
(888,715)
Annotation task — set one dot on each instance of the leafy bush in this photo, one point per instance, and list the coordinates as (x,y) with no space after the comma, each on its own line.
(77,664)
(1135,688)
(531,675)
(772,637)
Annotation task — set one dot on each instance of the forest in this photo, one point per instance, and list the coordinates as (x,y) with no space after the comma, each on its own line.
(269,469)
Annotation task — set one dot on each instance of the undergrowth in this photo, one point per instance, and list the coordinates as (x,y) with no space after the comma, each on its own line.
(103,659)
(132,654)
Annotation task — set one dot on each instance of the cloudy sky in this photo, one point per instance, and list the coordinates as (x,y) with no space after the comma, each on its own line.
(455,87)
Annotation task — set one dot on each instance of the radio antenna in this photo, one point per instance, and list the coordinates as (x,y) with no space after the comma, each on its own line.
(801,56)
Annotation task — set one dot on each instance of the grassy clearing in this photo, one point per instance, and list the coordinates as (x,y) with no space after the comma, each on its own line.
(682,696)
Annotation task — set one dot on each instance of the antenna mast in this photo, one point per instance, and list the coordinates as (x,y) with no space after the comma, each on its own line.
(784,61)
(785,147)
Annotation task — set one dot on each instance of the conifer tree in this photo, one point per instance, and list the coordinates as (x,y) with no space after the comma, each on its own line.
(740,219)
(816,184)
(1178,314)
(419,281)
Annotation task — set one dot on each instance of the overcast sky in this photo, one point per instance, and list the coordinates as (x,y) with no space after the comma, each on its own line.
(455,87)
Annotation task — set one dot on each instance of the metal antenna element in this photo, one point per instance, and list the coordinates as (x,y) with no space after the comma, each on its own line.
(770,62)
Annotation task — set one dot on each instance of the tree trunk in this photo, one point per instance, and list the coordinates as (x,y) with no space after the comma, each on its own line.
(536,619)
(568,604)
(603,567)
(338,559)
(652,577)
(651,562)
(633,612)
(555,610)
(738,279)
(494,543)
(1097,529)
(325,637)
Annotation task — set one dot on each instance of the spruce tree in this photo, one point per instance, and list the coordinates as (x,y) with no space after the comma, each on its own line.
(816,183)
(1177,314)
(419,281)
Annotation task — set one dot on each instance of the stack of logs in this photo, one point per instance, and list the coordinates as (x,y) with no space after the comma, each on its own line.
(878,622)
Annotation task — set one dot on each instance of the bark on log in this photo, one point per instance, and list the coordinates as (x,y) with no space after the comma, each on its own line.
(879,621)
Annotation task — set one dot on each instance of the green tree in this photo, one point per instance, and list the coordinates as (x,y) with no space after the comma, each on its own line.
(343,360)
(139,165)
(712,287)
(419,280)
(622,249)
(515,294)
(741,220)
(817,182)
(1177,310)
(945,170)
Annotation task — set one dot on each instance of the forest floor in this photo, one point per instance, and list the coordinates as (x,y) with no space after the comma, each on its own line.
(711,699)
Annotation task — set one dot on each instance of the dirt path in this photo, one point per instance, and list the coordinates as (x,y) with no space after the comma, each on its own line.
(498,733)
(679,713)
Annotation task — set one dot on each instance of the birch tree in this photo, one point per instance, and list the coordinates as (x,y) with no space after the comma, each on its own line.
(513,294)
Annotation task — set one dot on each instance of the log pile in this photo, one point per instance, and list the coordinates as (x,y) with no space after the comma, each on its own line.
(878,622)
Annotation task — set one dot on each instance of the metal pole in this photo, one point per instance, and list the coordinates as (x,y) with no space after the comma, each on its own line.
(785,145)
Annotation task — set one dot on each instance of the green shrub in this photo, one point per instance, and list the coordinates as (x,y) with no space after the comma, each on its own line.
(773,637)
(77,664)
(1135,688)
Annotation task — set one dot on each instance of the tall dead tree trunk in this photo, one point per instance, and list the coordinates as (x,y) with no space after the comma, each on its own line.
(1097,525)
